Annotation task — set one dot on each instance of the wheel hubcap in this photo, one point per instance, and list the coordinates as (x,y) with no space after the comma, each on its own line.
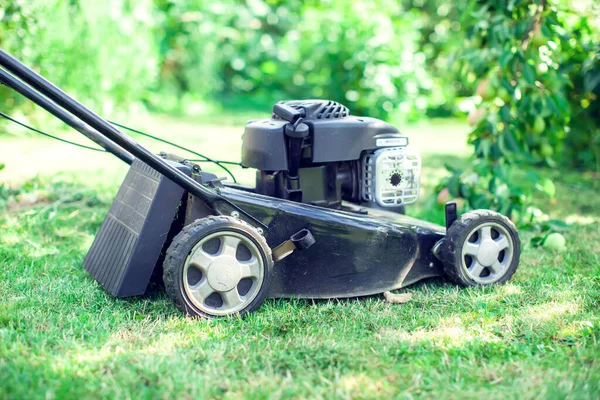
(487,253)
(223,273)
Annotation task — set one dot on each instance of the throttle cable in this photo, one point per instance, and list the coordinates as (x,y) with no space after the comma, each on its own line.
(203,159)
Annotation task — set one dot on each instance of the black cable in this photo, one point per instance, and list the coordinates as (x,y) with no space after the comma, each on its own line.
(204,158)
(217,161)
(49,135)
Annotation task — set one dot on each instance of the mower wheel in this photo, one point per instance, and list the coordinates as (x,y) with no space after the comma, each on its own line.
(218,266)
(481,248)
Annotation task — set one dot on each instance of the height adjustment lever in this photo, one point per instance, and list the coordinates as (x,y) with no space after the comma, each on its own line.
(300,240)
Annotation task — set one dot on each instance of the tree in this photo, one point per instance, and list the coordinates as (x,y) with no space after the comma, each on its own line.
(537,65)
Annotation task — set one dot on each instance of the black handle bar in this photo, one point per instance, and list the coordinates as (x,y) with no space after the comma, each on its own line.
(67,118)
(103,127)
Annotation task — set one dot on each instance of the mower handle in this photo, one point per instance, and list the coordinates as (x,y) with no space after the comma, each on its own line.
(64,116)
(216,202)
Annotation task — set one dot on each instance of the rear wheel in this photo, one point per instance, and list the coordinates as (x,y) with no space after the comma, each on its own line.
(218,266)
(481,248)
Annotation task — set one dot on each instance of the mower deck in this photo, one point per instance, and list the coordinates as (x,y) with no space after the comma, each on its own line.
(354,254)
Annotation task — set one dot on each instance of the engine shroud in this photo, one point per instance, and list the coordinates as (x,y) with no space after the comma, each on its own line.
(332,161)
(335,135)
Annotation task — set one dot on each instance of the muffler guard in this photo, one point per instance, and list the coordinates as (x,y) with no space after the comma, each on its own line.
(134,231)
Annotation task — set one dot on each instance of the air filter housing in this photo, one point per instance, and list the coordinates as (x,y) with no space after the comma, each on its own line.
(390,176)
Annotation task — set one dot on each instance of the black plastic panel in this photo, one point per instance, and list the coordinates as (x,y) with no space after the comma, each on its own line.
(332,140)
(133,233)
(354,255)
(345,139)
(264,145)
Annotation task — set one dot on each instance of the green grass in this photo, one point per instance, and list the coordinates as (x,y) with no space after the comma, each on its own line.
(63,336)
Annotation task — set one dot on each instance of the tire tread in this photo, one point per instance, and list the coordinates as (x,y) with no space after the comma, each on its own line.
(453,243)
(175,256)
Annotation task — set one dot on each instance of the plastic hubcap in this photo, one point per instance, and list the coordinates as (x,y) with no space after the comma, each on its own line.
(488,253)
(224,274)
(212,275)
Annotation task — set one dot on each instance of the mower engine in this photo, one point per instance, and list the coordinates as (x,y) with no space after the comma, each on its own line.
(315,152)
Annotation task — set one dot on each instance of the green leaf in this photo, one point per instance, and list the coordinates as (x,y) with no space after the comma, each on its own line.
(529,73)
(465,191)
(505,58)
(532,176)
(552,106)
(505,114)
(537,241)
(450,168)
(501,172)
(483,148)
(479,201)
(562,103)
(548,187)
(556,225)
(454,185)
(547,31)
(591,80)
(506,84)
(511,141)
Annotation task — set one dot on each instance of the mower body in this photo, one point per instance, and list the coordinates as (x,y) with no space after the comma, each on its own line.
(357,251)
(354,254)
(364,244)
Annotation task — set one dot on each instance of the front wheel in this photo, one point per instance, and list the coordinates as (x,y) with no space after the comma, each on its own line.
(481,248)
(218,266)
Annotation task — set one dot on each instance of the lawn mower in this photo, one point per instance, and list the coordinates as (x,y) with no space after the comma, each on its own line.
(324,219)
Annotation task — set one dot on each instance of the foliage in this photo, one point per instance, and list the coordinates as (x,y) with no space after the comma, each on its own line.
(102,54)
(441,34)
(363,53)
(538,75)
(582,144)
(167,54)
(381,57)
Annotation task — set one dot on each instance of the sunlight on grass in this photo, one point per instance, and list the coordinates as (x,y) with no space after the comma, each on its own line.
(549,311)
(581,220)
(509,289)
(450,332)
(361,383)
(9,239)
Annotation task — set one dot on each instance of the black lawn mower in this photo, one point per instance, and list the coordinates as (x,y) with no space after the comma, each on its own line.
(324,219)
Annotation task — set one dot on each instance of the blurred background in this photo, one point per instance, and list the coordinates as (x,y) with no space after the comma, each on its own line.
(500,97)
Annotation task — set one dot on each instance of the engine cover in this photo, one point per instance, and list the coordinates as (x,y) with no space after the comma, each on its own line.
(335,135)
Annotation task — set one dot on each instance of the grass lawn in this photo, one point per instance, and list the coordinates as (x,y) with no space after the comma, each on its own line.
(63,336)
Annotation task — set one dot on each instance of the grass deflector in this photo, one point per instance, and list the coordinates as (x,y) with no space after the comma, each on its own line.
(324,219)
